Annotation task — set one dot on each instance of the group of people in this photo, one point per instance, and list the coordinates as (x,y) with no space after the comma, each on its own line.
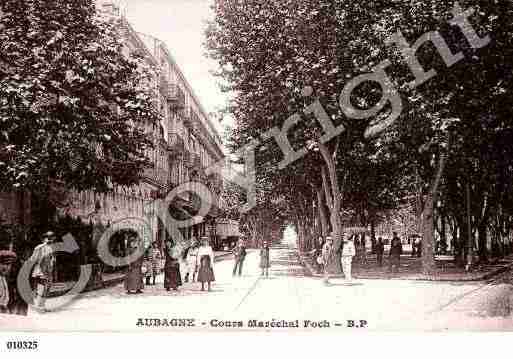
(394,254)
(326,256)
(41,277)
(149,263)
(199,266)
(239,254)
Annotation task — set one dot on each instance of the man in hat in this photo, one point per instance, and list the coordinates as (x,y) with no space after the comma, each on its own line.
(346,258)
(42,272)
(327,256)
(239,253)
(10,300)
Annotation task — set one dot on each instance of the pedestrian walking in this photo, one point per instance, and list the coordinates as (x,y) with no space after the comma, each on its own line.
(327,257)
(42,273)
(396,249)
(363,244)
(239,254)
(147,267)
(205,264)
(265,262)
(419,248)
(11,301)
(191,259)
(346,258)
(380,250)
(172,276)
(155,261)
(134,277)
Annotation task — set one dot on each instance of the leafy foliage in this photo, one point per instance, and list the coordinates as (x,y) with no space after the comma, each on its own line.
(73,107)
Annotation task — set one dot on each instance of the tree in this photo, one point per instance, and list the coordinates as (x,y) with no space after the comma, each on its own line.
(271,52)
(74,109)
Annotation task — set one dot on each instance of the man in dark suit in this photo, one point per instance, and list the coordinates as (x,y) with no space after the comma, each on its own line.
(396,249)
(239,253)
(380,249)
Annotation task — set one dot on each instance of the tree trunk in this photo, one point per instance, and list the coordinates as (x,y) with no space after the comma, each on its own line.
(428,238)
(322,212)
(482,242)
(333,199)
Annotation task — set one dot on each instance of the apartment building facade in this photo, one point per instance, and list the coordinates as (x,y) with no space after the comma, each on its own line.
(185,144)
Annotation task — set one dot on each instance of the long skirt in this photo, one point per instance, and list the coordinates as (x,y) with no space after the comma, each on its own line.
(172,276)
(134,277)
(206,272)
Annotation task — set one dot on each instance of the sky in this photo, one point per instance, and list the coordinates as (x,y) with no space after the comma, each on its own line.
(181,25)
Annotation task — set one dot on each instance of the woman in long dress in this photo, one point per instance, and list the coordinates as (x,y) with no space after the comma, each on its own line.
(265,262)
(205,264)
(172,276)
(134,277)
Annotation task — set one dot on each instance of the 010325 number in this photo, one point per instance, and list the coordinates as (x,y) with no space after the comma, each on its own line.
(22,345)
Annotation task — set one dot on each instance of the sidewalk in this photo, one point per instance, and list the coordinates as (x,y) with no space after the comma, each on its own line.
(411,269)
(112,279)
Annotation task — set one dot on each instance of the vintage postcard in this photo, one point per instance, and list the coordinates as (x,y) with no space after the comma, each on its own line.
(255,165)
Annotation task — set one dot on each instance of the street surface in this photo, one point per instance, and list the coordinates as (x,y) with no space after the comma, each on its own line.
(287,295)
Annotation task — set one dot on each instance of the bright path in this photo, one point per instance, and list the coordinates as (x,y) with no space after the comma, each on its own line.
(287,295)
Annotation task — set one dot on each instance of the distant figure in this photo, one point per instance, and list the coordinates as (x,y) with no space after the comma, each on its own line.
(396,249)
(205,264)
(42,274)
(11,301)
(320,243)
(373,244)
(317,257)
(419,248)
(327,256)
(156,256)
(265,262)
(363,253)
(239,253)
(172,276)
(191,258)
(380,250)
(134,277)
(146,267)
(346,259)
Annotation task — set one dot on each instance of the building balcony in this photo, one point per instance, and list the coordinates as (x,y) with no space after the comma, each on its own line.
(156,175)
(175,97)
(176,143)
(165,87)
(187,159)
(196,161)
(188,121)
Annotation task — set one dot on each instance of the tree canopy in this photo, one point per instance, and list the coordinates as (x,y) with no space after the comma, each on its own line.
(74,107)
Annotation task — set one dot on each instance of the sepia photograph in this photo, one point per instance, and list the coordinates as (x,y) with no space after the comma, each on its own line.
(333,167)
